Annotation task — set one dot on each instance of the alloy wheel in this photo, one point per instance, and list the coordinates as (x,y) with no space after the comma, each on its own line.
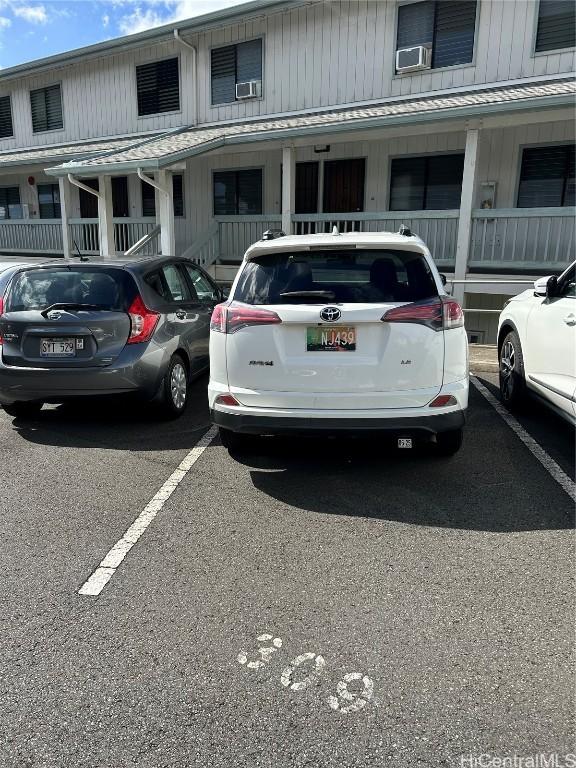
(178,386)
(507,369)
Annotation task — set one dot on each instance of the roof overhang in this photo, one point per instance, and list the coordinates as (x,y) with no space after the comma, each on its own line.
(332,128)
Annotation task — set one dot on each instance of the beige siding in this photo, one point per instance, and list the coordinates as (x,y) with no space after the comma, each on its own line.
(322,54)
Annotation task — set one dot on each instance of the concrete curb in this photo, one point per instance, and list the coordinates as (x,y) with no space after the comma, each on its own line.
(483,358)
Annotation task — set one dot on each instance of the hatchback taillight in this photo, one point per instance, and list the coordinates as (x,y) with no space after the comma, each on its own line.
(1,313)
(439,314)
(229,318)
(143,321)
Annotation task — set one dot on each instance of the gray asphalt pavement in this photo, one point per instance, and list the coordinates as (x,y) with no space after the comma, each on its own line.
(446,585)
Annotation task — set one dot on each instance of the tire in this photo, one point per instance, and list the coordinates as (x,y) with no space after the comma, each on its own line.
(23,410)
(449,443)
(174,389)
(237,442)
(511,372)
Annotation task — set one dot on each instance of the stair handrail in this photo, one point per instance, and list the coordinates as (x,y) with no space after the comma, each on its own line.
(143,242)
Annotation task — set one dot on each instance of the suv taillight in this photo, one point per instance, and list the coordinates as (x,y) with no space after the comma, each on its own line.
(439,314)
(1,313)
(229,318)
(142,321)
(453,315)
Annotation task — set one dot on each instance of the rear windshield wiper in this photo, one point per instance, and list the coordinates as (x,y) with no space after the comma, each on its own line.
(330,295)
(69,305)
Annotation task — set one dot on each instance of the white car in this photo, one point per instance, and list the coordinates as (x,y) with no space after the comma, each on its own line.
(334,333)
(537,344)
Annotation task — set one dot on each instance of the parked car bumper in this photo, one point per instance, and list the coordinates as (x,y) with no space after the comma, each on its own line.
(138,369)
(408,422)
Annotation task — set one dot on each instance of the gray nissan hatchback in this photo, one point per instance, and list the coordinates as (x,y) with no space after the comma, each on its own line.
(70,330)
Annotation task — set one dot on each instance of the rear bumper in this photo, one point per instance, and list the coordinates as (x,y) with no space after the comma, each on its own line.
(413,426)
(138,369)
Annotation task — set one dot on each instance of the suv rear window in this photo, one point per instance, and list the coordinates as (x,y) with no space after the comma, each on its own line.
(105,288)
(351,276)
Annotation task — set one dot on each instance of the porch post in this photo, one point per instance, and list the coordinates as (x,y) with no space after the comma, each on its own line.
(107,244)
(65,210)
(166,214)
(466,205)
(288,188)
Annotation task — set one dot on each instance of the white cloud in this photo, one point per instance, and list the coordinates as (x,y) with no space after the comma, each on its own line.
(105,20)
(35,14)
(4,22)
(152,13)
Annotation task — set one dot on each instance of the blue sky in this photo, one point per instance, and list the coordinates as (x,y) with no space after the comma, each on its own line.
(31,29)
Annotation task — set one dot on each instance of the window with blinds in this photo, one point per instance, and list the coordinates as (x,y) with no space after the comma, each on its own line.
(238,193)
(426,183)
(158,87)
(6,127)
(556,25)
(232,64)
(446,25)
(49,201)
(547,177)
(46,106)
(149,197)
(10,207)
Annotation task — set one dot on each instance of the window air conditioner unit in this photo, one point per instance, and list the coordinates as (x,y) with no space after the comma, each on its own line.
(249,90)
(413,59)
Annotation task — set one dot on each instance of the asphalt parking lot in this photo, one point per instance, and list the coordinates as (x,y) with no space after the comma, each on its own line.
(416,610)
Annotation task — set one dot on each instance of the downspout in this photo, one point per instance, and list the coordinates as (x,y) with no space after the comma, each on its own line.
(195,59)
(148,180)
(86,188)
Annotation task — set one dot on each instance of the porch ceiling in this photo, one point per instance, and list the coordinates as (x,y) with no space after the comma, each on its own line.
(164,150)
(80,152)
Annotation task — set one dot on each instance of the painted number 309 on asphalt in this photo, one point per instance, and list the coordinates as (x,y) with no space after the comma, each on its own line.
(344,701)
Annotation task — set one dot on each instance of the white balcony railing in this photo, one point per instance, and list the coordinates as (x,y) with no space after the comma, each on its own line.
(127,231)
(438,229)
(238,232)
(522,238)
(31,236)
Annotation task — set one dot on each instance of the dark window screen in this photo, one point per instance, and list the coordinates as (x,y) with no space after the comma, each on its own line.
(426,183)
(547,177)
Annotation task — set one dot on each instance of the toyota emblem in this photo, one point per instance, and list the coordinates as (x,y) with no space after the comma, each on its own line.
(330,314)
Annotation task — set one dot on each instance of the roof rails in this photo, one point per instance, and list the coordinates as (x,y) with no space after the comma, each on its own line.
(272,234)
(405,231)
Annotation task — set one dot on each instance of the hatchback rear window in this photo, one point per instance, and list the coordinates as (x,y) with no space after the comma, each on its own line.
(351,276)
(103,288)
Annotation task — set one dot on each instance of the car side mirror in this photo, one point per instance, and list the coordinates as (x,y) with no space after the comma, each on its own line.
(224,294)
(443,278)
(552,287)
(540,286)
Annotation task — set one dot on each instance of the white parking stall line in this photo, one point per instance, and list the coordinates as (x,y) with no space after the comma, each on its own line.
(553,469)
(107,568)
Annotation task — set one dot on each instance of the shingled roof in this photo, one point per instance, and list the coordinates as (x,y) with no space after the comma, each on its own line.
(166,149)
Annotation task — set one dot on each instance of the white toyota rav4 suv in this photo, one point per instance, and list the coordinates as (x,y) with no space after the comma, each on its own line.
(334,333)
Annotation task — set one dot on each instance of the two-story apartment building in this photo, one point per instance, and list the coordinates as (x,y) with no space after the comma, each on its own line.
(455,117)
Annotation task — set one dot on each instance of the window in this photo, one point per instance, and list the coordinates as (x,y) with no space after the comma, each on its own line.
(234,64)
(205,290)
(556,25)
(149,197)
(10,207)
(238,193)
(158,87)
(447,26)
(169,283)
(108,288)
(49,201)
(46,106)
(568,284)
(378,275)
(6,128)
(426,183)
(547,177)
